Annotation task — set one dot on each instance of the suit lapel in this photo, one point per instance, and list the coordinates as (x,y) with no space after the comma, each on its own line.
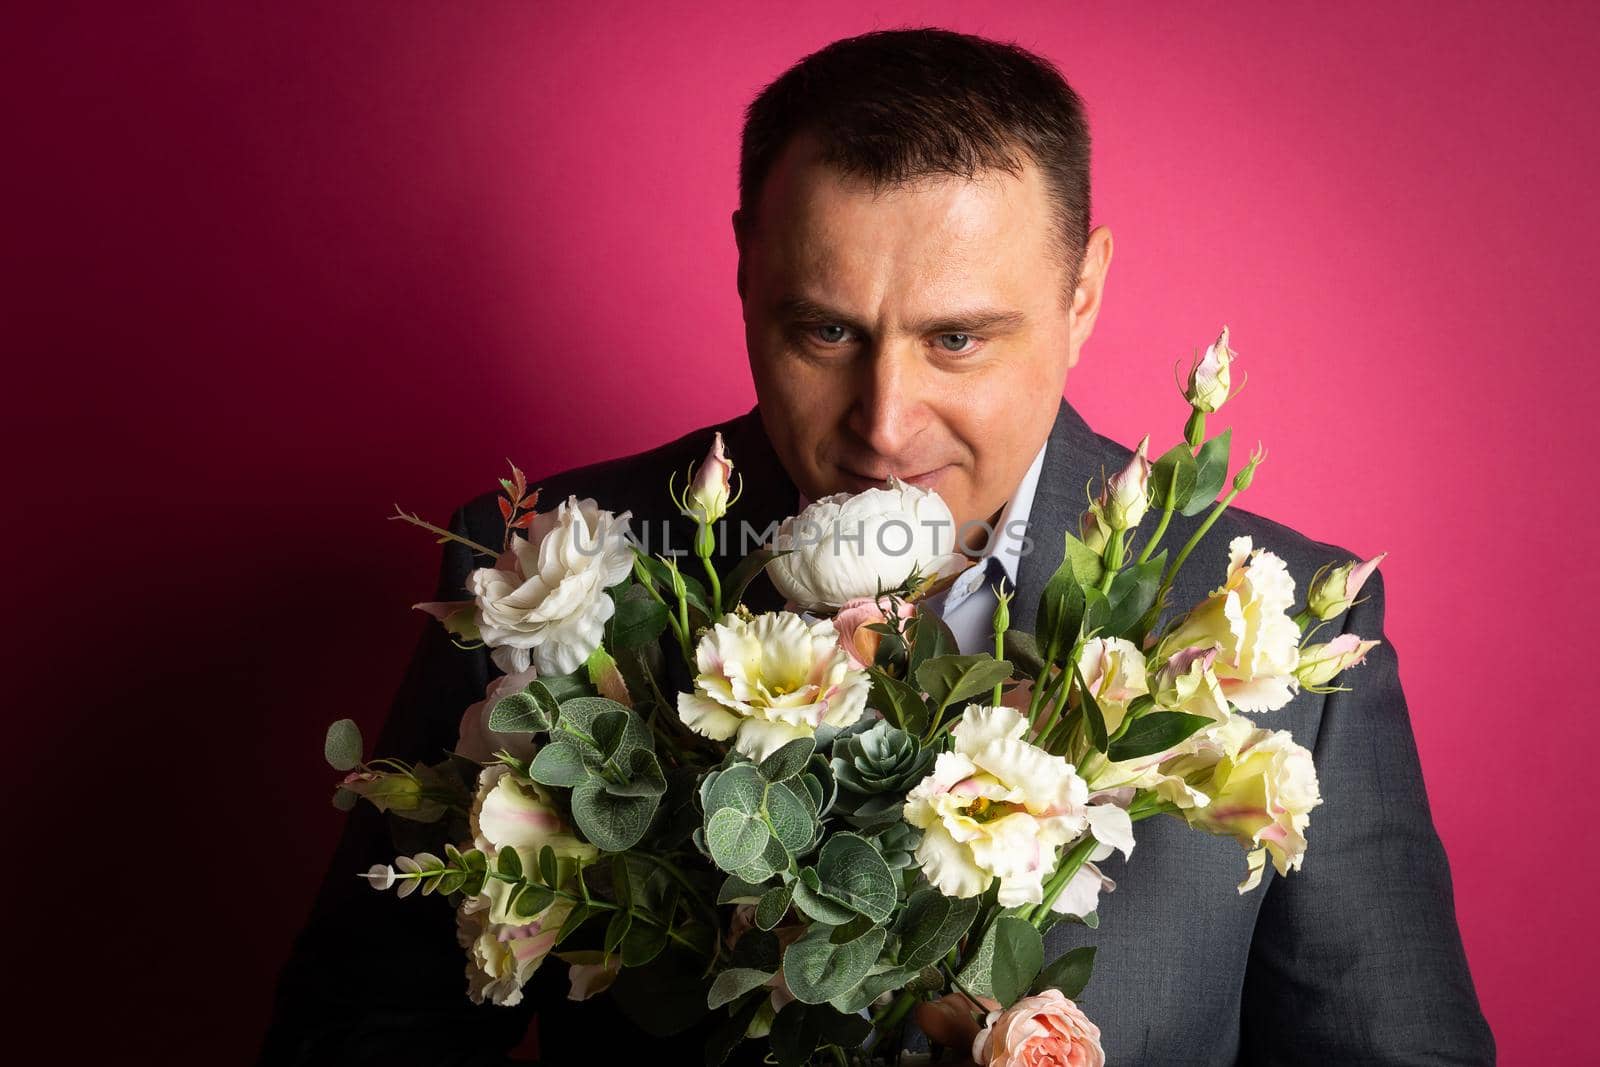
(1074,455)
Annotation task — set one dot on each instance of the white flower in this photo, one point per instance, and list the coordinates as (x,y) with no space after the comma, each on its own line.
(769,680)
(995,808)
(544,601)
(1247,620)
(846,546)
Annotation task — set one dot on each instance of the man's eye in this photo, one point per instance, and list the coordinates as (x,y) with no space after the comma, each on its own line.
(961,341)
(830,334)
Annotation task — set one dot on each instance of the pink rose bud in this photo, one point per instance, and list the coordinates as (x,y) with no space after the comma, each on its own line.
(1210,380)
(1334,590)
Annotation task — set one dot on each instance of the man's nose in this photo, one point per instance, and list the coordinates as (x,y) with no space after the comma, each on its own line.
(890,406)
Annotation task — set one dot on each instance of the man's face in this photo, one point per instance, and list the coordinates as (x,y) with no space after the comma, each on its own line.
(922,330)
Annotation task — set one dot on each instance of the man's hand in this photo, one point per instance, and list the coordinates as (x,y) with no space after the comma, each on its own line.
(954,1021)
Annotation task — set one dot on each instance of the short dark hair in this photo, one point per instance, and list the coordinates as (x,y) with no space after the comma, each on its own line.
(892,106)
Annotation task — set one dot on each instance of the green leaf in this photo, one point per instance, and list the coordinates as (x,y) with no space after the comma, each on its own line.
(808,899)
(559,764)
(734,983)
(1172,477)
(730,1032)
(1022,648)
(1091,711)
(607,730)
(817,970)
(695,590)
(561,687)
(637,623)
(581,718)
(793,1037)
(901,704)
(1085,562)
(791,816)
(342,745)
(644,777)
(548,869)
(931,638)
(531,900)
(1060,610)
(508,863)
(736,890)
(931,925)
(774,858)
(772,907)
(1133,590)
(531,711)
(609,822)
(1155,732)
(1018,955)
(617,929)
(1211,471)
(740,786)
(733,586)
(1068,973)
(951,679)
(642,943)
(734,838)
(854,873)
(789,760)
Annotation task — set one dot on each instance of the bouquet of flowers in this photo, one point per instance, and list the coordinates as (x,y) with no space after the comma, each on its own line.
(843,814)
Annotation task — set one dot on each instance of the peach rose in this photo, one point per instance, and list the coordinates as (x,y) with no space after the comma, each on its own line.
(858,642)
(1043,1031)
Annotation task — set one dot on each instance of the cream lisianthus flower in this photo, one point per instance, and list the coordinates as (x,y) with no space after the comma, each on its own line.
(995,808)
(1247,620)
(846,546)
(770,680)
(501,957)
(1187,683)
(544,600)
(1262,788)
(510,811)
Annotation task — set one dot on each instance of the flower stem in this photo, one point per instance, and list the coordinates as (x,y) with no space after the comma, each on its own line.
(1070,865)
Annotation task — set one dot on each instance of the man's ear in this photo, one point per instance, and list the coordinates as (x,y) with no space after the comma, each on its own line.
(738,240)
(1086,299)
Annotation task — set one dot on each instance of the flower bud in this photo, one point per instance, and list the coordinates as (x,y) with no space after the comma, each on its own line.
(1210,380)
(1247,473)
(1093,531)
(1332,591)
(1127,494)
(1319,664)
(707,499)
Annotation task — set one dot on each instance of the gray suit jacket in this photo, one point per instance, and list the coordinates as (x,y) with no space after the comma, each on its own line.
(1356,958)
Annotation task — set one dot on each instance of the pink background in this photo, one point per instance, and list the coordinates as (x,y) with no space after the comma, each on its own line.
(272,268)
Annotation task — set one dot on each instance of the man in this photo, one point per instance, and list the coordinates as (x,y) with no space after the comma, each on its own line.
(918,277)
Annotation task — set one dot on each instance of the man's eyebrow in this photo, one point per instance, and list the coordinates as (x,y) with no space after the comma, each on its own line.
(802,309)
